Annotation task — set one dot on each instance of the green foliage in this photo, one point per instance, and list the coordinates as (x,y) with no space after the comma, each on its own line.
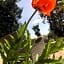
(10,50)
(51,48)
(17,50)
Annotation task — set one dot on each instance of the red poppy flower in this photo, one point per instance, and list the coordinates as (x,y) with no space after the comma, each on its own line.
(44,6)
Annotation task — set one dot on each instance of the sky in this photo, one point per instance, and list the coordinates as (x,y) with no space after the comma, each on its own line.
(27,12)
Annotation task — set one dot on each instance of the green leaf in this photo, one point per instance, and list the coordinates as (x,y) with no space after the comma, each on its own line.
(11,36)
(2,52)
(1,47)
(47,49)
(4,47)
(7,43)
(58,45)
(28,47)
(3,57)
(21,30)
(20,35)
(29,40)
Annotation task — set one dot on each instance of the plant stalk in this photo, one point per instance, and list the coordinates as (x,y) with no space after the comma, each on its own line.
(31,17)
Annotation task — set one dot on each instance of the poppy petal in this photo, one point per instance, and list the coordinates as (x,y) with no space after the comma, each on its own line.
(44,6)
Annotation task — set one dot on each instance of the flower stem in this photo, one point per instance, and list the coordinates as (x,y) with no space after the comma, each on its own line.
(31,17)
(29,20)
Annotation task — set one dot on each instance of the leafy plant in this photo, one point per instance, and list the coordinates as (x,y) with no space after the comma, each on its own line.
(15,48)
(10,50)
(51,48)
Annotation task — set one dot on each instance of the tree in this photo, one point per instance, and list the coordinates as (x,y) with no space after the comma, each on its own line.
(9,15)
(56,20)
